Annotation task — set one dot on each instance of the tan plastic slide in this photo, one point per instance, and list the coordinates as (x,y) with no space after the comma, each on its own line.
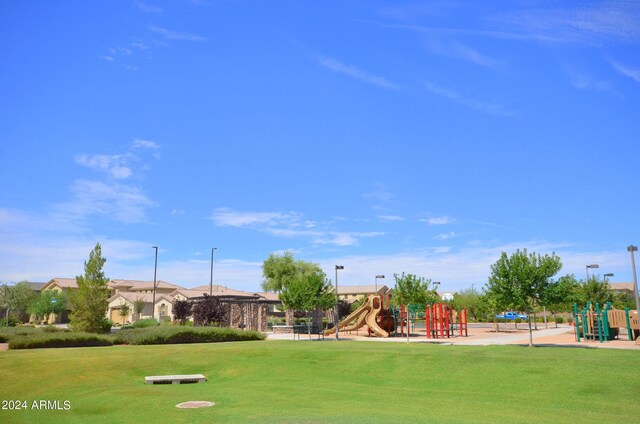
(365,314)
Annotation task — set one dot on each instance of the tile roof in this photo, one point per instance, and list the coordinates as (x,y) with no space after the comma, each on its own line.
(621,286)
(361,289)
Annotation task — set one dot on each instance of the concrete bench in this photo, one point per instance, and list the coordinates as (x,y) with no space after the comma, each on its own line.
(175,379)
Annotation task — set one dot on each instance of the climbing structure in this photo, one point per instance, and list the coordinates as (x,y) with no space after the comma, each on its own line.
(372,314)
(441,321)
(604,324)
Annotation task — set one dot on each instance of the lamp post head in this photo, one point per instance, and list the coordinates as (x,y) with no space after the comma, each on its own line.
(339,267)
(608,275)
(379,276)
(593,266)
(632,248)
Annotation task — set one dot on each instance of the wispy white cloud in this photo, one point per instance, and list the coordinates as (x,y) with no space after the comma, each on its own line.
(633,73)
(457,50)
(438,220)
(583,81)
(226,217)
(445,236)
(587,23)
(390,218)
(120,202)
(481,106)
(178,36)
(145,144)
(288,225)
(114,165)
(357,73)
(106,58)
(147,8)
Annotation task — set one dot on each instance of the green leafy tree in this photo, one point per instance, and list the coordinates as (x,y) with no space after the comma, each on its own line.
(560,295)
(413,290)
(124,311)
(17,299)
(595,291)
(138,307)
(91,300)
(309,291)
(282,271)
(47,303)
(468,299)
(519,281)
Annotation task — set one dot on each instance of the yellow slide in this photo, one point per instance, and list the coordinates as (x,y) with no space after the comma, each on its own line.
(364,315)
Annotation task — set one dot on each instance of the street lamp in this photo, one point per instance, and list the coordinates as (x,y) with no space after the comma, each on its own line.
(337,318)
(591,266)
(607,275)
(213,249)
(378,276)
(632,249)
(155,271)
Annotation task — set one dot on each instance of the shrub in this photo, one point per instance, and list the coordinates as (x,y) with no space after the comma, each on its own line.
(180,334)
(58,339)
(6,333)
(53,329)
(8,322)
(143,323)
(559,320)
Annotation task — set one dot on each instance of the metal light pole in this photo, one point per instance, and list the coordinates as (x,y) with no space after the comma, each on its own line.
(213,249)
(378,276)
(155,271)
(591,266)
(610,274)
(337,318)
(632,249)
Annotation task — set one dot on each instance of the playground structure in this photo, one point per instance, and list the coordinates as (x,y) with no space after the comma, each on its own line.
(382,320)
(369,313)
(593,323)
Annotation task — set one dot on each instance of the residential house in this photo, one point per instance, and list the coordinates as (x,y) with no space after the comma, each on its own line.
(353,293)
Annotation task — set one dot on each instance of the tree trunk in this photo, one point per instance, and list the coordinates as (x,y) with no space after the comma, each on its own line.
(535,320)
(289,316)
(530,332)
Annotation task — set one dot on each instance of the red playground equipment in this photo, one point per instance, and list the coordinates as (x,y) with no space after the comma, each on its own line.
(441,320)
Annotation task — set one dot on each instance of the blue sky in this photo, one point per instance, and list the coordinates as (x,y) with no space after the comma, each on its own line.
(388,137)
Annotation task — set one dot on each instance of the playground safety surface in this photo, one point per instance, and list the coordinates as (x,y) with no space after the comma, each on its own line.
(485,334)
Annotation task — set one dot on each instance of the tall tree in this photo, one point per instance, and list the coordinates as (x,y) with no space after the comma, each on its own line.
(595,291)
(91,300)
(413,290)
(48,303)
(519,281)
(17,299)
(309,291)
(468,299)
(282,271)
(138,307)
(561,295)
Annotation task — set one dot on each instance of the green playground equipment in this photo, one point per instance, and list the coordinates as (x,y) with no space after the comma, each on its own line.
(604,324)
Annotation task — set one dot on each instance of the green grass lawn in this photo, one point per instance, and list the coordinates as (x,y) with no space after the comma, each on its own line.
(326,382)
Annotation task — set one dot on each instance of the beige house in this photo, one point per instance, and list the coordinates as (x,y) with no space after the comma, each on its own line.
(353,293)
(247,310)
(163,306)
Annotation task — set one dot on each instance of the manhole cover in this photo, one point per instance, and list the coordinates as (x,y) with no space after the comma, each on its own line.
(195,404)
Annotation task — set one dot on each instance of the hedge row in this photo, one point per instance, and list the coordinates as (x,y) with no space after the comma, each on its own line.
(58,339)
(33,338)
(176,335)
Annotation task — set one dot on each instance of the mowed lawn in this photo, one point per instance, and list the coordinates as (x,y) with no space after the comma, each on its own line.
(326,382)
